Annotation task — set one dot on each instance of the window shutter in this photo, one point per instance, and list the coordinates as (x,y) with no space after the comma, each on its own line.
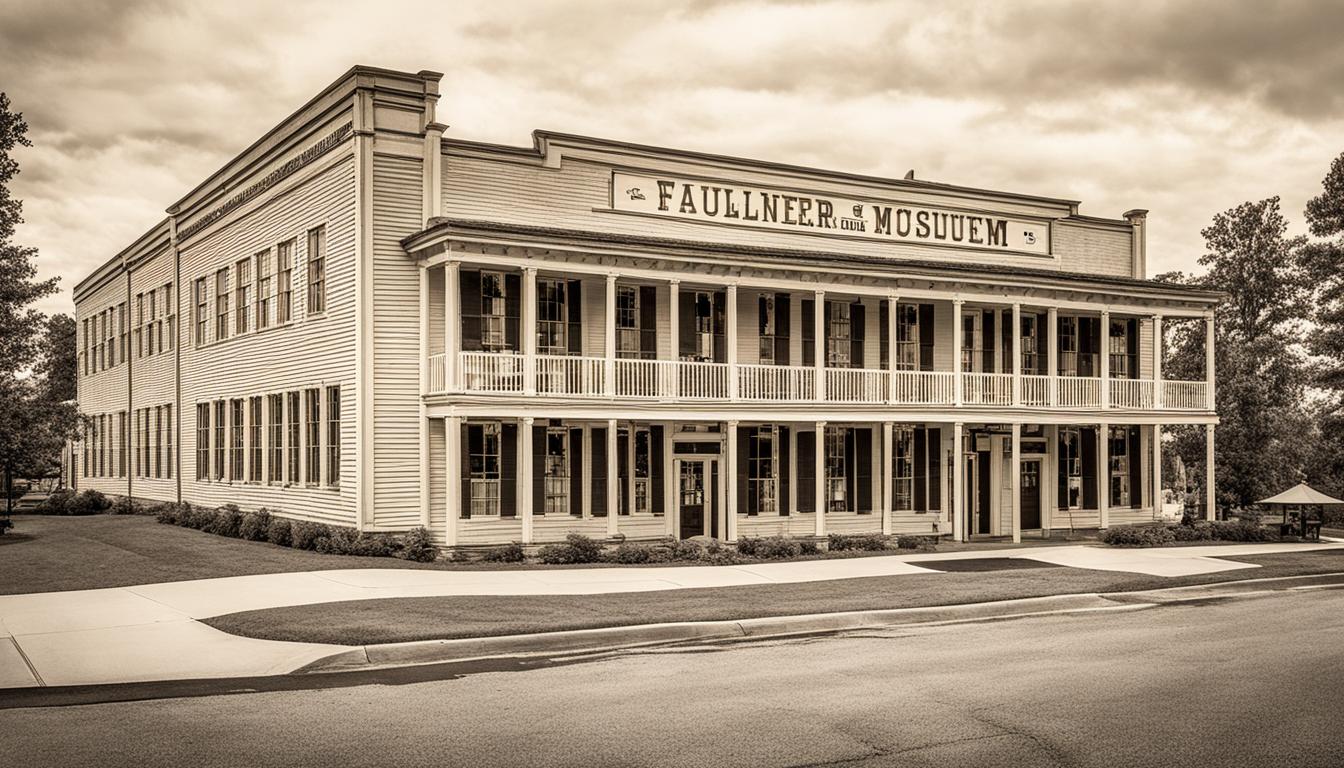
(856,334)
(720,341)
(851,471)
(464,469)
(576,472)
(921,461)
(623,470)
(656,478)
(648,321)
(747,500)
(808,310)
(863,460)
(513,290)
(538,470)
(1136,484)
(782,327)
(574,316)
(934,446)
(807,462)
(1132,346)
(784,471)
(926,337)
(987,341)
(598,440)
(883,338)
(686,322)
(469,288)
(508,470)
(1061,459)
(1089,455)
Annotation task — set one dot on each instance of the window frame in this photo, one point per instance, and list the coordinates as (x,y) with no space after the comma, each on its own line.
(333,447)
(484,467)
(316,304)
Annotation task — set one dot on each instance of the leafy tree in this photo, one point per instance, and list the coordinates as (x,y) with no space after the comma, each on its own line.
(58,368)
(1323,262)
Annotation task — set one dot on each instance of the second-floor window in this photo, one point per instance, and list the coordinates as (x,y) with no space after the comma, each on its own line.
(263,261)
(552,317)
(1030,354)
(708,325)
(768,328)
(242,273)
(284,282)
(907,337)
(493,312)
(222,304)
(627,321)
(837,334)
(1068,346)
(201,299)
(317,270)
(1118,349)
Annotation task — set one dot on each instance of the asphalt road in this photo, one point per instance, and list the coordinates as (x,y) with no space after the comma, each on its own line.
(1250,682)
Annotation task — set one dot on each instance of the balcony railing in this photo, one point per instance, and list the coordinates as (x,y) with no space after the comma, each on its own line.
(590,377)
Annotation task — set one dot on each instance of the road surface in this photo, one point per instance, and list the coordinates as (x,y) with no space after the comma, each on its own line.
(1253,682)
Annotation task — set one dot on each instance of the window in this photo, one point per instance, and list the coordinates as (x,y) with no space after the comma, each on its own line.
(201,299)
(317,270)
(1031,355)
(333,436)
(313,435)
(153,315)
(767,330)
(168,441)
(292,437)
(202,441)
(263,289)
(220,419)
(483,458)
(242,275)
(158,441)
(84,444)
(254,439)
(493,311)
(275,468)
(1071,463)
(627,321)
(972,352)
(762,471)
(284,276)
(837,334)
(84,326)
(139,325)
(708,324)
(642,454)
(903,471)
(222,304)
(123,325)
(836,500)
(907,337)
(1118,347)
(169,330)
(552,318)
(1068,346)
(556,480)
(236,440)
(1119,470)
(123,444)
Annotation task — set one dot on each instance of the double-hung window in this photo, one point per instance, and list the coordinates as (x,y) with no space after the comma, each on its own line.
(317,270)
(642,465)
(242,274)
(151,327)
(221,304)
(627,321)
(292,437)
(254,439)
(907,337)
(1030,353)
(552,318)
(836,475)
(124,326)
(169,329)
(275,469)
(767,330)
(284,282)
(158,441)
(313,467)
(1071,461)
(221,419)
(1119,469)
(168,441)
(201,298)
(236,434)
(493,312)
(263,262)
(202,441)
(333,436)
(903,468)
(762,471)
(484,465)
(708,325)
(1118,347)
(556,480)
(1068,346)
(838,334)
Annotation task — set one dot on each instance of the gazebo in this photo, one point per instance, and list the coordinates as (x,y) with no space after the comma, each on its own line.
(1302,497)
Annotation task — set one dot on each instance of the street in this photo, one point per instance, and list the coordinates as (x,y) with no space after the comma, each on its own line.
(1253,682)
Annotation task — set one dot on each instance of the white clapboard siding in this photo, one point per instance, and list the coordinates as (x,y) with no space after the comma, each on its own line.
(438,481)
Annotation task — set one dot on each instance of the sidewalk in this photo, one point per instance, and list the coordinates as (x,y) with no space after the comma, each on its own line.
(153,632)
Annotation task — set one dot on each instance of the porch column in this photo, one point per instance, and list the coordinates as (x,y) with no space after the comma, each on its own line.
(528,321)
(730,481)
(1209,364)
(673,337)
(1104,347)
(1104,474)
(423,346)
(893,390)
(671,483)
(819,474)
(609,339)
(613,480)
(452,324)
(958,482)
(422,421)
(1157,361)
(886,469)
(1015,366)
(1052,353)
(452,438)
(1015,467)
(957,384)
(1210,512)
(819,346)
(525,477)
(731,336)
(1156,472)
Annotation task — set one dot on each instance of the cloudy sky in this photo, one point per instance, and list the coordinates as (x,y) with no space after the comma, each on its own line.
(1185,109)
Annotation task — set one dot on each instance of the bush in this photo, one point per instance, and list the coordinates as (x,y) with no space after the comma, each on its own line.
(340,540)
(504,553)
(635,554)
(278,531)
(1138,536)
(808,547)
(769,547)
(686,550)
(124,505)
(199,518)
(255,525)
(1193,532)
(1241,530)
(576,549)
(418,545)
(89,502)
(226,521)
(922,543)
(171,512)
(867,542)
(56,503)
(304,535)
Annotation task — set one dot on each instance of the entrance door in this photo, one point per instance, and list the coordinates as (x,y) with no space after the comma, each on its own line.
(693,495)
(1031,493)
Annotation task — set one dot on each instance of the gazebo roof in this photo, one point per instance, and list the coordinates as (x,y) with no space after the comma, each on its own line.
(1301,494)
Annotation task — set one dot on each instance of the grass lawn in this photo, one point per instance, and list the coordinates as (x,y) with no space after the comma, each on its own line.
(362,622)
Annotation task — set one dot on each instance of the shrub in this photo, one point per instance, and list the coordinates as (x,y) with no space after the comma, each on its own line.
(867,542)
(56,503)
(686,549)
(808,547)
(170,512)
(278,531)
(1138,536)
(769,547)
(304,535)
(1194,532)
(254,525)
(226,522)
(576,549)
(504,553)
(922,543)
(124,505)
(1240,530)
(199,518)
(418,545)
(633,554)
(89,502)
(340,540)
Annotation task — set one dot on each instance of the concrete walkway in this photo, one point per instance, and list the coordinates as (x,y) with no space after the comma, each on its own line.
(153,632)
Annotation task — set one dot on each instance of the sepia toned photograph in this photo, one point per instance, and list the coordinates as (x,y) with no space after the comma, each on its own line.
(745,383)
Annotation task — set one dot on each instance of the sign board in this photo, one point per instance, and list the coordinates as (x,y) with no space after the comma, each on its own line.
(745,205)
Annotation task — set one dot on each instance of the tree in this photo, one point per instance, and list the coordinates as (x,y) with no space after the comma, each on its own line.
(1323,261)
(58,366)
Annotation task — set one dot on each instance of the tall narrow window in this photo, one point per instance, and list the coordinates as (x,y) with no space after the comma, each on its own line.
(1118,348)
(1030,354)
(836,475)
(242,275)
(484,467)
(150,342)
(838,334)
(1071,463)
(972,342)
(263,260)
(222,304)
(201,299)
(84,326)
(763,471)
(1119,469)
(158,441)
(236,440)
(333,436)
(708,325)
(124,326)
(903,470)
(556,481)
(254,439)
(292,437)
(552,317)
(767,329)
(123,445)
(642,465)
(169,460)
(317,270)
(907,337)
(627,321)
(169,331)
(493,312)
(313,436)
(221,419)
(1068,346)
(284,276)
(111,339)
(139,325)
(275,468)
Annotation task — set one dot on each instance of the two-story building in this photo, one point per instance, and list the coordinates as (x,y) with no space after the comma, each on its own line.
(360,321)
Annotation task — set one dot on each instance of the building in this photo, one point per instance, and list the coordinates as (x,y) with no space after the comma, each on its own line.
(359,321)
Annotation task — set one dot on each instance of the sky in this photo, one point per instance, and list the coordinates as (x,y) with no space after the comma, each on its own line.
(1184,109)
